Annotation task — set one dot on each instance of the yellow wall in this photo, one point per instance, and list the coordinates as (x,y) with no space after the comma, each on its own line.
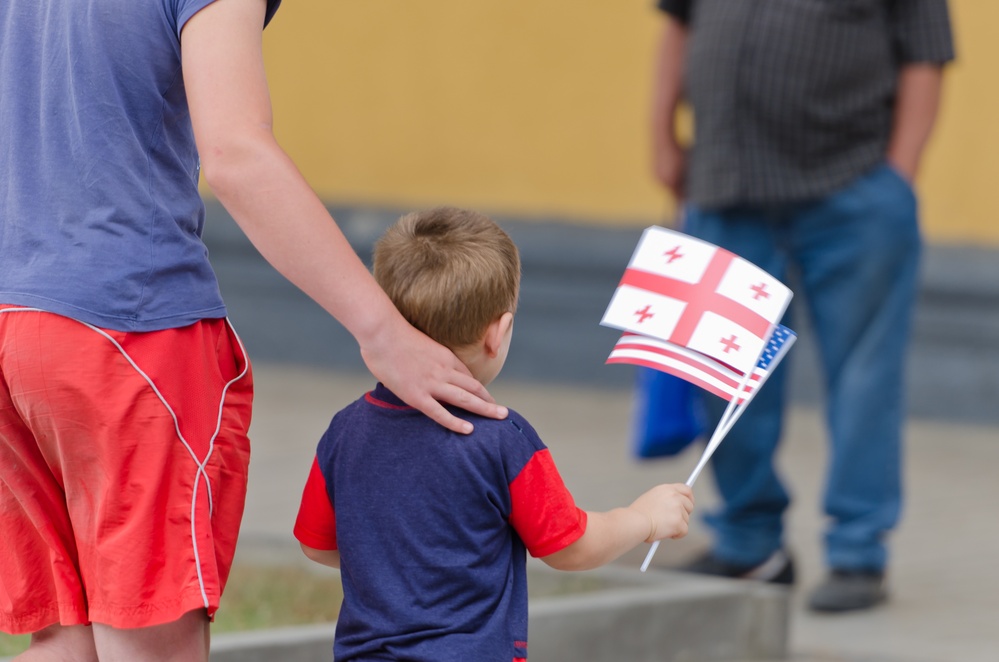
(540,108)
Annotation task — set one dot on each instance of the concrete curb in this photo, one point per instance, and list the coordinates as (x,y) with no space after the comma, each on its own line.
(655,617)
(305,643)
(663,617)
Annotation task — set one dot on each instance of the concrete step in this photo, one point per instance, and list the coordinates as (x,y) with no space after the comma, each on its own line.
(621,615)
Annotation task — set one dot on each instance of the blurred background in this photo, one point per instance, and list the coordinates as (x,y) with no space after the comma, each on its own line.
(537,113)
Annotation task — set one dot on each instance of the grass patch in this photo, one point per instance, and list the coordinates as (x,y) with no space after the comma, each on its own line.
(258,597)
(11,645)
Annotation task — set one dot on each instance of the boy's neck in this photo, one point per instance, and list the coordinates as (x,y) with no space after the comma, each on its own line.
(485,357)
(475,359)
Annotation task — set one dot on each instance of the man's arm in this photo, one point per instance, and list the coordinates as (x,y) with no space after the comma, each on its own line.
(273,204)
(668,157)
(916,103)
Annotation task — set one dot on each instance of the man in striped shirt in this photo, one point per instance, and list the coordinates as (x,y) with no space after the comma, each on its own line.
(810,117)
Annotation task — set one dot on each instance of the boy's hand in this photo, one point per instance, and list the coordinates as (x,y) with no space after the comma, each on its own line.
(668,509)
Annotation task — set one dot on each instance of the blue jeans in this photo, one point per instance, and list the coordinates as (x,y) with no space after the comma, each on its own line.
(856,253)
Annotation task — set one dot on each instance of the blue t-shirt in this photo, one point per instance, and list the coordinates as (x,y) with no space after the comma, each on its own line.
(433,529)
(100,215)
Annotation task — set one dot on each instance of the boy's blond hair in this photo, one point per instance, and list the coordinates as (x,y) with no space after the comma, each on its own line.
(450,272)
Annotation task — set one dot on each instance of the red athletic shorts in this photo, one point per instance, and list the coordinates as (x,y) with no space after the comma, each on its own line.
(123,464)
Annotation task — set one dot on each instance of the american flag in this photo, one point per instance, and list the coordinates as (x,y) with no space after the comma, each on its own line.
(710,374)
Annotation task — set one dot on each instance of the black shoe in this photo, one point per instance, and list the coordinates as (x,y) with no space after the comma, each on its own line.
(847,590)
(778,568)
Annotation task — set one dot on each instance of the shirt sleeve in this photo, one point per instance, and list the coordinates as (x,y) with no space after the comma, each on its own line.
(543,512)
(272,7)
(678,9)
(187,8)
(922,31)
(316,523)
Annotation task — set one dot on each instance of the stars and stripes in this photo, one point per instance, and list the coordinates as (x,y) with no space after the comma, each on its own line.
(704,371)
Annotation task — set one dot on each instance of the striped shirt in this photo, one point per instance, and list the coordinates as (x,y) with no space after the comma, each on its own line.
(793,99)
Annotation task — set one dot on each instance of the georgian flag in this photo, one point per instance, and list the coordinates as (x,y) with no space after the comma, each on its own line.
(693,294)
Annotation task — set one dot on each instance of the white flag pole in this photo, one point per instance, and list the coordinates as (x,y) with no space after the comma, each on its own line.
(729,417)
(778,357)
(731,414)
(716,438)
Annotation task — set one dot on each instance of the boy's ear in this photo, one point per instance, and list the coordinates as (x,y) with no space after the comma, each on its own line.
(496,332)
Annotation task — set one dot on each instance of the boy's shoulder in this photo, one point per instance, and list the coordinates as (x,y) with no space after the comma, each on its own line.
(380,399)
(364,429)
(522,426)
(514,425)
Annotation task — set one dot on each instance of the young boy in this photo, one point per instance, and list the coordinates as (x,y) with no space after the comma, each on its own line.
(429,528)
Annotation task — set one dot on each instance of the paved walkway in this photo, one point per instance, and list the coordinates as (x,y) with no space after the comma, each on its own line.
(944,577)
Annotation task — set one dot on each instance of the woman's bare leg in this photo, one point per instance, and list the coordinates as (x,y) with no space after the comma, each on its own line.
(184,640)
(58,643)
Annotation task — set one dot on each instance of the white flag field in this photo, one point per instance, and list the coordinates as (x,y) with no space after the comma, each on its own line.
(703,314)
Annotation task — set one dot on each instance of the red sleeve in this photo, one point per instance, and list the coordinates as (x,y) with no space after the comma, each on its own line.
(543,512)
(316,523)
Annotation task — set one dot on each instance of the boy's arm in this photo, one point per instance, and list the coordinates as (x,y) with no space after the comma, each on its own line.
(662,512)
(330,557)
(258,184)
(315,526)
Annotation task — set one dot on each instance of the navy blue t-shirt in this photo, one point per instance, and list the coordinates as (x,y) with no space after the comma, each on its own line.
(433,529)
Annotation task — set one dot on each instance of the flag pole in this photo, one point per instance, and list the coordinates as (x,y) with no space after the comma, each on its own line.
(731,414)
(716,439)
(778,357)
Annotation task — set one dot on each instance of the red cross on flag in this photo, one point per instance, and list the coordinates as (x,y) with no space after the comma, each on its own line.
(697,295)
